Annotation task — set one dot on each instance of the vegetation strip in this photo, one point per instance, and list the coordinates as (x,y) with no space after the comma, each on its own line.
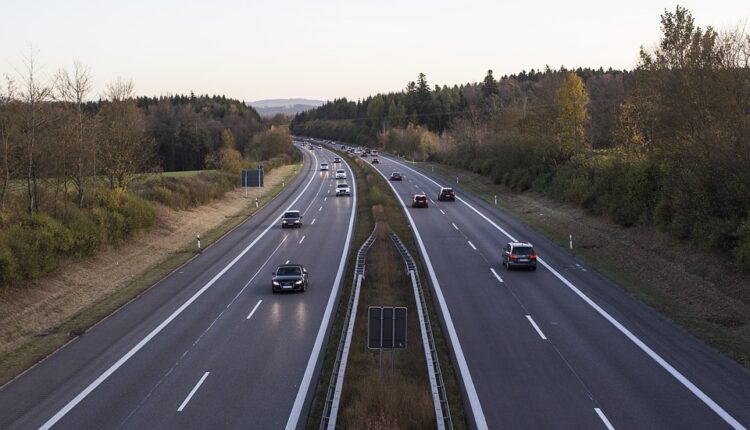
(335,386)
(18,360)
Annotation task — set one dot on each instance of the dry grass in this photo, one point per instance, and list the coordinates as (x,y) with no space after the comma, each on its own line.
(35,317)
(696,287)
(388,390)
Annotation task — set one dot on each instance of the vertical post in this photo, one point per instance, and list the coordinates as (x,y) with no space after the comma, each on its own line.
(456,179)
(495,199)
(198,238)
(570,237)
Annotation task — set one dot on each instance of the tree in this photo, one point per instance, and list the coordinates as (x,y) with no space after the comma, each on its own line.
(572,115)
(9,122)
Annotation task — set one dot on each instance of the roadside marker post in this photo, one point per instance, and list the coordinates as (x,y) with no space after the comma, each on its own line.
(570,237)
(198,238)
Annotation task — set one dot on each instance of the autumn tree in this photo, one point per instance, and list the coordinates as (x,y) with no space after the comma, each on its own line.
(572,114)
(227,158)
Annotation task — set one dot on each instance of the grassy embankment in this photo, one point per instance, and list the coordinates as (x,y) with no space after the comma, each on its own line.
(174,191)
(398,397)
(692,286)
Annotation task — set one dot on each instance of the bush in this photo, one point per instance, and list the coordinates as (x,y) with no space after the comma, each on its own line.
(87,236)
(8,265)
(137,213)
(37,243)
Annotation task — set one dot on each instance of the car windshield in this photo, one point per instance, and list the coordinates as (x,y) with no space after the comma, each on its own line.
(291,215)
(288,271)
(395,174)
(523,250)
(420,198)
(342,186)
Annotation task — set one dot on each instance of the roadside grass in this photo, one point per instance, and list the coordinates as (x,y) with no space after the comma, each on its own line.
(373,190)
(389,389)
(15,361)
(185,173)
(712,304)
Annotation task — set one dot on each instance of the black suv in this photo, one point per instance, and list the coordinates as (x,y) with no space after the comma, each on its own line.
(395,176)
(519,254)
(446,194)
(291,219)
(289,277)
(419,201)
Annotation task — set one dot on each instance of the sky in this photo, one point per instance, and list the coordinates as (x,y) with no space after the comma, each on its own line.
(328,49)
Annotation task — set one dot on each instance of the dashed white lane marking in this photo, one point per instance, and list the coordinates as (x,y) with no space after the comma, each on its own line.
(325,198)
(441,211)
(454,225)
(301,240)
(581,267)
(287,262)
(256,307)
(536,327)
(472,246)
(320,209)
(313,221)
(496,275)
(604,419)
(190,396)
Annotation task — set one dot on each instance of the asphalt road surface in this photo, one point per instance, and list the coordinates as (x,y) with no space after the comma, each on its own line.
(561,347)
(209,346)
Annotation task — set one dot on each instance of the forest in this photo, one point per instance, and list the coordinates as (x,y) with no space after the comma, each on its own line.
(664,144)
(79,173)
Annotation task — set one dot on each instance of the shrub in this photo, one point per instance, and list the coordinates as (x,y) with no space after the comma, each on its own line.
(87,235)
(8,265)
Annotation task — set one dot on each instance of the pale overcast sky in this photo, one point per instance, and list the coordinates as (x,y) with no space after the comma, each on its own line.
(329,49)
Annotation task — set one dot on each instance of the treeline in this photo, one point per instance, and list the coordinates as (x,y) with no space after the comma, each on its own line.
(667,143)
(77,174)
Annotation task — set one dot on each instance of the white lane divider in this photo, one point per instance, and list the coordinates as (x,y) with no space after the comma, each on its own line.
(302,240)
(256,306)
(107,373)
(190,396)
(604,419)
(287,262)
(472,246)
(496,275)
(313,221)
(536,327)
(325,198)
(441,211)
(697,392)
(454,225)
(320,209)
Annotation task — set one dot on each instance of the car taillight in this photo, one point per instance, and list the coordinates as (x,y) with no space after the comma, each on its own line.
(532,256)
(513,256)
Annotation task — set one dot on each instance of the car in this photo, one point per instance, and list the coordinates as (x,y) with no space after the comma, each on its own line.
(419,201)
(519,254)
(373,152)
(340,174)
(343,146)
(291,218)
(323,167)
(343,189)
(336,160)
(375,160)
(396,176)
(446,194)
(289,277)
(363,155)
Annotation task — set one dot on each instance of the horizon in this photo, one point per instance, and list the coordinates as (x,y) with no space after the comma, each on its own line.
(258,52)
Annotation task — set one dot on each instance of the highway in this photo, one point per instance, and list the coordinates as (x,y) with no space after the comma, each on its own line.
(209,346)
(562,347)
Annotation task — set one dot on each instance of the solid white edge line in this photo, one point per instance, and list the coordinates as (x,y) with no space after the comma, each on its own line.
(107,373)
(604,419)
(254,309)
(304,387)
(463,367)
(302,240)
(472,245)
(190,396)
(536,327)
(496,275)
(639,343)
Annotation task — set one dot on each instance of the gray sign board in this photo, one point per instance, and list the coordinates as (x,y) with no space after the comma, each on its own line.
(386,328)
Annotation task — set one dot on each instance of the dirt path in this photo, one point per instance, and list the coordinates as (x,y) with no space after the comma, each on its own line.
(41,305)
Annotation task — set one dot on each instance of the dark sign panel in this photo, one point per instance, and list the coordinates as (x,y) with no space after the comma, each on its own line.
(252,178)
(386,327)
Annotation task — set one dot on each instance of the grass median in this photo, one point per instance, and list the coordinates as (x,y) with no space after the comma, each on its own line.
(377,203)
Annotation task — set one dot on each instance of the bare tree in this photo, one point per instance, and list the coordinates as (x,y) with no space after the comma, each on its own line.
(35,94)
(74,88)
(8,122)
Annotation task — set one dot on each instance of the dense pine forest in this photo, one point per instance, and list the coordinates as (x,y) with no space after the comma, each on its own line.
(665,144)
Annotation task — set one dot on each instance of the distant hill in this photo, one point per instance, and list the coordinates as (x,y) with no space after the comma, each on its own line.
(290,107)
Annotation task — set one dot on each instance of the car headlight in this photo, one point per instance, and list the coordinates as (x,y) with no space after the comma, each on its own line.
(298,283)
(275,283)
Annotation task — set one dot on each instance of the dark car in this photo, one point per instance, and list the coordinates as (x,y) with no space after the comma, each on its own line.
(419,201)
(395,176)
(289,277)
(446,194)
(519,254)
(375,160)
(291,219)
(363,155)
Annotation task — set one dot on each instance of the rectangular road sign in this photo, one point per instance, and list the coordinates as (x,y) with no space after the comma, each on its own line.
(386,328)
(252,177)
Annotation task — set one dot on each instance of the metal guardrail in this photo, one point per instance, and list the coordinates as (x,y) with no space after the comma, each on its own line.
(440,399)
(335,386)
